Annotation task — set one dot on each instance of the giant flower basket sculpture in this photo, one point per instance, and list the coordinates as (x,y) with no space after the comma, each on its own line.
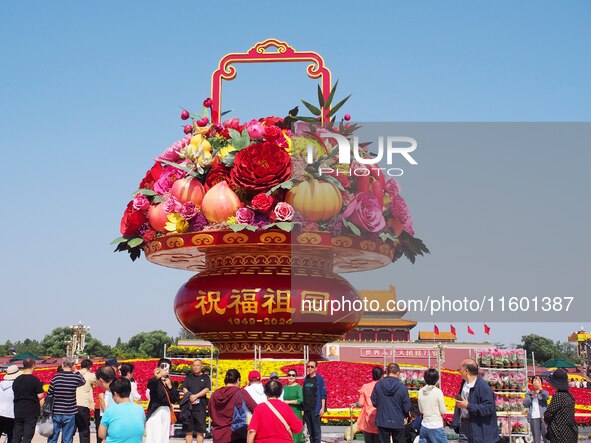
(243,205)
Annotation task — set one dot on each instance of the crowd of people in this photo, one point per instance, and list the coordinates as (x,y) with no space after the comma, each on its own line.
(270,412)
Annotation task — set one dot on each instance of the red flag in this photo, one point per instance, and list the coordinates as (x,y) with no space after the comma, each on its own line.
(435,330)
(470,331)
(452,329)
(486,329)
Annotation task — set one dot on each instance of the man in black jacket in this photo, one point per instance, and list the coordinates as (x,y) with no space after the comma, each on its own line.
(390,398)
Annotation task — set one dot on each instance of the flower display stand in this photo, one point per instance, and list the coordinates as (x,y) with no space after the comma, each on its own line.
(506,372)
(244,205)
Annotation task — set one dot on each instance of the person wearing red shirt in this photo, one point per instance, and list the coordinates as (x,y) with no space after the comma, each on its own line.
(273,421)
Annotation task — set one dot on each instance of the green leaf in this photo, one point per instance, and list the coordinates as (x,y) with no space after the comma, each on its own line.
(285,226)
(320,97)
(386,236)
(226,112)
(146,191)
(228,160)
(181,167)
(233,133)
(157,199)
(288,184)
(331,95)
(119,240)
(307,119)
(236,227)
(338,106)
(252,228)
(313,109)
(354,229)
(135,242)
(330,179)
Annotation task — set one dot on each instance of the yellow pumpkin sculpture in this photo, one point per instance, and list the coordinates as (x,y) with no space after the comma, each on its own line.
(315,199)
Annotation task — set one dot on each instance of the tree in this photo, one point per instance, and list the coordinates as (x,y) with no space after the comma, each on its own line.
(148,344)
(546,349)
(55,344)
(95,348)
(184,334)
(28,345)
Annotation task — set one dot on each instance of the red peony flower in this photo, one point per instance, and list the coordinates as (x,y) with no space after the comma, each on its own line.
(151,176)
(231,123)
(270,121)
(218,173)
(262,203)
(261,166)
(132,220)
(272,133)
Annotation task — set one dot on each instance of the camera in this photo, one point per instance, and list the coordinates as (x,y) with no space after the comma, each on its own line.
(165,367)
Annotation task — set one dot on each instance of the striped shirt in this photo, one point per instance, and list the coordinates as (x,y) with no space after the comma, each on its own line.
(63,387)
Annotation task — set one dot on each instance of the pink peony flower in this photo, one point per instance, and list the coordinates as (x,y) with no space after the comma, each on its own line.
(167,178)
(245,215)
(365,212)
(255,130)
(399,209)
(188,211)
(283,212)
(171,153)
(141,203)
(392,188)
(172,205)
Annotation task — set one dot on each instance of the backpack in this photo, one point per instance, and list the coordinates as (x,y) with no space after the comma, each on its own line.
(239,420)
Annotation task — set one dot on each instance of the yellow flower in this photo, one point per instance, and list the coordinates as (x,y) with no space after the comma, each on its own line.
(231,220)
(223,152)
(289,142)
(299,147)
(176,223)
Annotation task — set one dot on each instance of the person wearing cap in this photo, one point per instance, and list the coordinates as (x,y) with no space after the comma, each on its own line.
(275,376)
(255,387)
(114,364)
(28,393)
(475,415)
(560,415)
(7,401)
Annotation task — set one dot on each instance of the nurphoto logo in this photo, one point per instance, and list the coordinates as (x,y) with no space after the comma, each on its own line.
(393,145)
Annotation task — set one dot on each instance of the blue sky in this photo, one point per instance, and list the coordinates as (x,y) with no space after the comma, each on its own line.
(90,93)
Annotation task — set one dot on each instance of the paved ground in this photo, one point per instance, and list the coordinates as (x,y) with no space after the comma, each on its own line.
(330,434)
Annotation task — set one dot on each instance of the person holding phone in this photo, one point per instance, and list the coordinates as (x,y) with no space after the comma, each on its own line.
(475,414)
(162,397)
(536,401)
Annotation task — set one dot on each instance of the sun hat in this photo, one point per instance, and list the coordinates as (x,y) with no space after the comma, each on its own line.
(12,372)
(559,379)
(273,375)
(254,376)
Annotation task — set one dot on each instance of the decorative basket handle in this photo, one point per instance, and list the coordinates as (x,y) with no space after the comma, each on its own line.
(259,54)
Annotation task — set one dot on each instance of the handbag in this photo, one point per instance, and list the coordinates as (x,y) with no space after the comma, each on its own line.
(239,423)
(172,414)
(45,426)
(47,408)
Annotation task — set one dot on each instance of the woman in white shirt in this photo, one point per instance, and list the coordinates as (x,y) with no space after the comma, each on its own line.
(432,406)
(536,401)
